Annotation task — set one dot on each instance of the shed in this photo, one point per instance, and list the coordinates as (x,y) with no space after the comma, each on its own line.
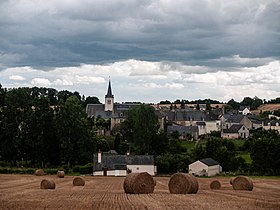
(121,165)
(205,167)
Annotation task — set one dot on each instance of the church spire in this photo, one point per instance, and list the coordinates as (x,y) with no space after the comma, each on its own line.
(109,99)
(109,91)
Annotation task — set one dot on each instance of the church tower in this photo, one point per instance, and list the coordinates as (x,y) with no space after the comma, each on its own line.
(109,99)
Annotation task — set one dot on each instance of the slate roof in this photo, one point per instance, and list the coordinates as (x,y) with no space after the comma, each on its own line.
(209,162)
(236,118)
(182,129)
(120,162)
(233,129)
(186,115)
(120,110)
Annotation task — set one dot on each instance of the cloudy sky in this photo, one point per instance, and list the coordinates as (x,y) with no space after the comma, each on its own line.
(152,50)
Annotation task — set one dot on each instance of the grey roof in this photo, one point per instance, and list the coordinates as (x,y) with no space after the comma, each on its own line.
(119,111)
(115,162)
(209,162)
(233,129)
(186,115)
(182,129)
(98,110)
(235,118)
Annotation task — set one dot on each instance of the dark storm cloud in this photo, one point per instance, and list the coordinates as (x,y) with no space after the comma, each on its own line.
(206,33)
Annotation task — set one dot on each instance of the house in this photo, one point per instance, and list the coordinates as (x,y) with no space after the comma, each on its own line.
(244,110)
(205,122)
(184,131)
(205,167)
(227,120)
(235,131)
(271,124)
(201,128)
(121,165)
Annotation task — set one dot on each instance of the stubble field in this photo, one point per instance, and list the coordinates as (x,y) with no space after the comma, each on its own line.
(23,192)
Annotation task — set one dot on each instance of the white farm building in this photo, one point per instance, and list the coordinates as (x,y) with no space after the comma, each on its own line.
(205,167)
(121,165)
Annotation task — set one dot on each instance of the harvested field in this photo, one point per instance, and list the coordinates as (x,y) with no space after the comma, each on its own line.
(23,192)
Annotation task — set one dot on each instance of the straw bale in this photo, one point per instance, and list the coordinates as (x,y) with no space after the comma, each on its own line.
(39,172)
(47,184)
(231,180)
(60,174)
(182,183)
(195,185)
(215,185)
(242,183)
(79,181)
(139,183)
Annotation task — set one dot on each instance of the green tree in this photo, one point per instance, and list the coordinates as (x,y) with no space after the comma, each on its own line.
(265,152)
(233,104)
(92,100)
(117,142)
(76,146)
(2,95)
(144,125)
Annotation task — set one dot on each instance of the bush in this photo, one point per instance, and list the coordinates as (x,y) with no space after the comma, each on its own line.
(51,171)
(65,168)
(7,170)
(76,168)
(86,169)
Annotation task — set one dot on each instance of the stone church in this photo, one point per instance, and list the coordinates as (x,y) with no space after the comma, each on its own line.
(116,112)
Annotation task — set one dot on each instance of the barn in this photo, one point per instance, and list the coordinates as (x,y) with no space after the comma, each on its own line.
(205,167)
(121,165)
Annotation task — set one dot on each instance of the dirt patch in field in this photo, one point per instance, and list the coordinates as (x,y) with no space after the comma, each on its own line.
(23,192)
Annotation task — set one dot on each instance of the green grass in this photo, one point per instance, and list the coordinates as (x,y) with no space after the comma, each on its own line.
(188,144)
(246,157)
(237,142)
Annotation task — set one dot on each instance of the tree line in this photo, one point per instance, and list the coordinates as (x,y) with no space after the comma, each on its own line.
(43,127)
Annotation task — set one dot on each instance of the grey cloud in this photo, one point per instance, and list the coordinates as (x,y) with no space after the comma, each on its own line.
(191,32)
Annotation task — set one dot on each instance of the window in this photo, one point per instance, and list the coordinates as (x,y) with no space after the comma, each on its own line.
(109,101)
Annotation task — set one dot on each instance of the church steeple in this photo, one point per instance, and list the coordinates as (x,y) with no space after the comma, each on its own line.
(109,91)
(109,99)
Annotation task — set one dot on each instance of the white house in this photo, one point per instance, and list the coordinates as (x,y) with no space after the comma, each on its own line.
(205,167)
(121,165)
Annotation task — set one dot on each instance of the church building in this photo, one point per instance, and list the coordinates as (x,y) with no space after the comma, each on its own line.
(116,112)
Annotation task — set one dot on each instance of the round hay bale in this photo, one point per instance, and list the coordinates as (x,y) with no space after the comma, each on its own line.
(215,185)
(60,174)
(79,181)
(47,184)
(139,183)
(39,172)
(195,184)
(231,180)
(242,183)
(182,183)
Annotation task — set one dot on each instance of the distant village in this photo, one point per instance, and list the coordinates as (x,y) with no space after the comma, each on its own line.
(192,121)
